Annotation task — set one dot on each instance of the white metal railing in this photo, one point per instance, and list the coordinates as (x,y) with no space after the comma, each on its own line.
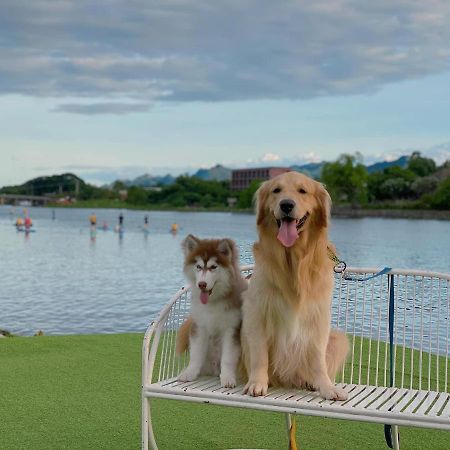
(420,335)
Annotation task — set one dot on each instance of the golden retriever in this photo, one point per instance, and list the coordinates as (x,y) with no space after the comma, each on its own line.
(286,335)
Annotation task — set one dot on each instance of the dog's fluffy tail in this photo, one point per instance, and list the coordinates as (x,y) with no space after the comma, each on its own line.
(337,350)
(182,343)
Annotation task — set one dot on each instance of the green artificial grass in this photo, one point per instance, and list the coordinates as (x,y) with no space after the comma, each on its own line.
(74,392)
(83,392)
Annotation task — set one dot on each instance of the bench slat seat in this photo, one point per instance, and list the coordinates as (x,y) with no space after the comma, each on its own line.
(379,404)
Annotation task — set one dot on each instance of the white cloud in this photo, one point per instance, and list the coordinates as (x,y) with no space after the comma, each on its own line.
(270,157)
(311,157)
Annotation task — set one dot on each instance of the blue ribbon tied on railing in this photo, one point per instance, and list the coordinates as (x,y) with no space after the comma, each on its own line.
(378,274)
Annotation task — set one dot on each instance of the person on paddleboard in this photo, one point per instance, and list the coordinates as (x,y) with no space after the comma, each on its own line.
(28,222)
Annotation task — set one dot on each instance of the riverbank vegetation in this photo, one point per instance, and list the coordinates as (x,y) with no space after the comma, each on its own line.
(418,184)
(83,392)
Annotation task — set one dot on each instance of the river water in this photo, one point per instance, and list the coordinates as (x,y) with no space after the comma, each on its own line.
(63,279)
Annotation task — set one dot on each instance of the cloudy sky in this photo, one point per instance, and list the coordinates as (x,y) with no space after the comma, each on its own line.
(116,88)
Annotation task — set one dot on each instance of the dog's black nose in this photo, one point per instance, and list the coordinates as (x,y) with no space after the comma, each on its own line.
(287,205)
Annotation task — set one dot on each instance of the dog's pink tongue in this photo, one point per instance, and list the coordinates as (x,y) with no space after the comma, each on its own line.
(204,296)
(287,234)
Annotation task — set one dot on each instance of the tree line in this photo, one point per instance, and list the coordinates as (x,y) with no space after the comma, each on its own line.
(421,184)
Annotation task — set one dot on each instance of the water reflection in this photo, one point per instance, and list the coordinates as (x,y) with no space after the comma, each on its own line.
(93,234)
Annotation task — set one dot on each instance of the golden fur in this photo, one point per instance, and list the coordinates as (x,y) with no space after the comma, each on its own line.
(286,336)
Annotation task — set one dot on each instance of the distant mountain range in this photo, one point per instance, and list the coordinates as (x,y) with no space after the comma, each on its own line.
(148,180)
(221,173)
(217,173)
(313,170)
(379,166)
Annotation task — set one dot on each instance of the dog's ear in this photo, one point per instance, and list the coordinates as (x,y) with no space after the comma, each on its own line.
(189,243)
(227,248)
(261,199)
(323,207)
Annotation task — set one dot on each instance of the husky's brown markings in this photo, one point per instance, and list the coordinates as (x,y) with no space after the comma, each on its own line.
(286,335)
(213,328)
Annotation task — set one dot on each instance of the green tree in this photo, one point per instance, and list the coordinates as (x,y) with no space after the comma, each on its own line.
(87,192)
(177,200)
(441,198)
(380,186)
(245,199)
(207,201)
(424,185)
(346,179)
(137,196)
(395,189)
(421,166)
(118,185)
(58,185)
(193,192)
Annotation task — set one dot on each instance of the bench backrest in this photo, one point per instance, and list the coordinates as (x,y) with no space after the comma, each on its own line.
(398,325)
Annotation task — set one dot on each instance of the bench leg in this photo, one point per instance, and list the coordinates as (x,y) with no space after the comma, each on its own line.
(395,441)
(288,422)
(291,431)
(148,438)
(144,425)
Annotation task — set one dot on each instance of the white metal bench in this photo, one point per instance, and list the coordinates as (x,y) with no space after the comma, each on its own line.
(397,372)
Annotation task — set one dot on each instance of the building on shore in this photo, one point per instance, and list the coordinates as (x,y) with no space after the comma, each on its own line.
(241,178)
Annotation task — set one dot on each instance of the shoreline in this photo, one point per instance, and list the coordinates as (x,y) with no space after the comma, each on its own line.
(337,211)
(428,214)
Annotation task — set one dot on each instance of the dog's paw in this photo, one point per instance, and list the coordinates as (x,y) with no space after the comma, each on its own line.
(306,386)
(300,383)
(227,381)
(188,375)
(334,393)
(255,389)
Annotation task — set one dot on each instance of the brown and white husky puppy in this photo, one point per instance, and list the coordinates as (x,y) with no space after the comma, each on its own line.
(212,330)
